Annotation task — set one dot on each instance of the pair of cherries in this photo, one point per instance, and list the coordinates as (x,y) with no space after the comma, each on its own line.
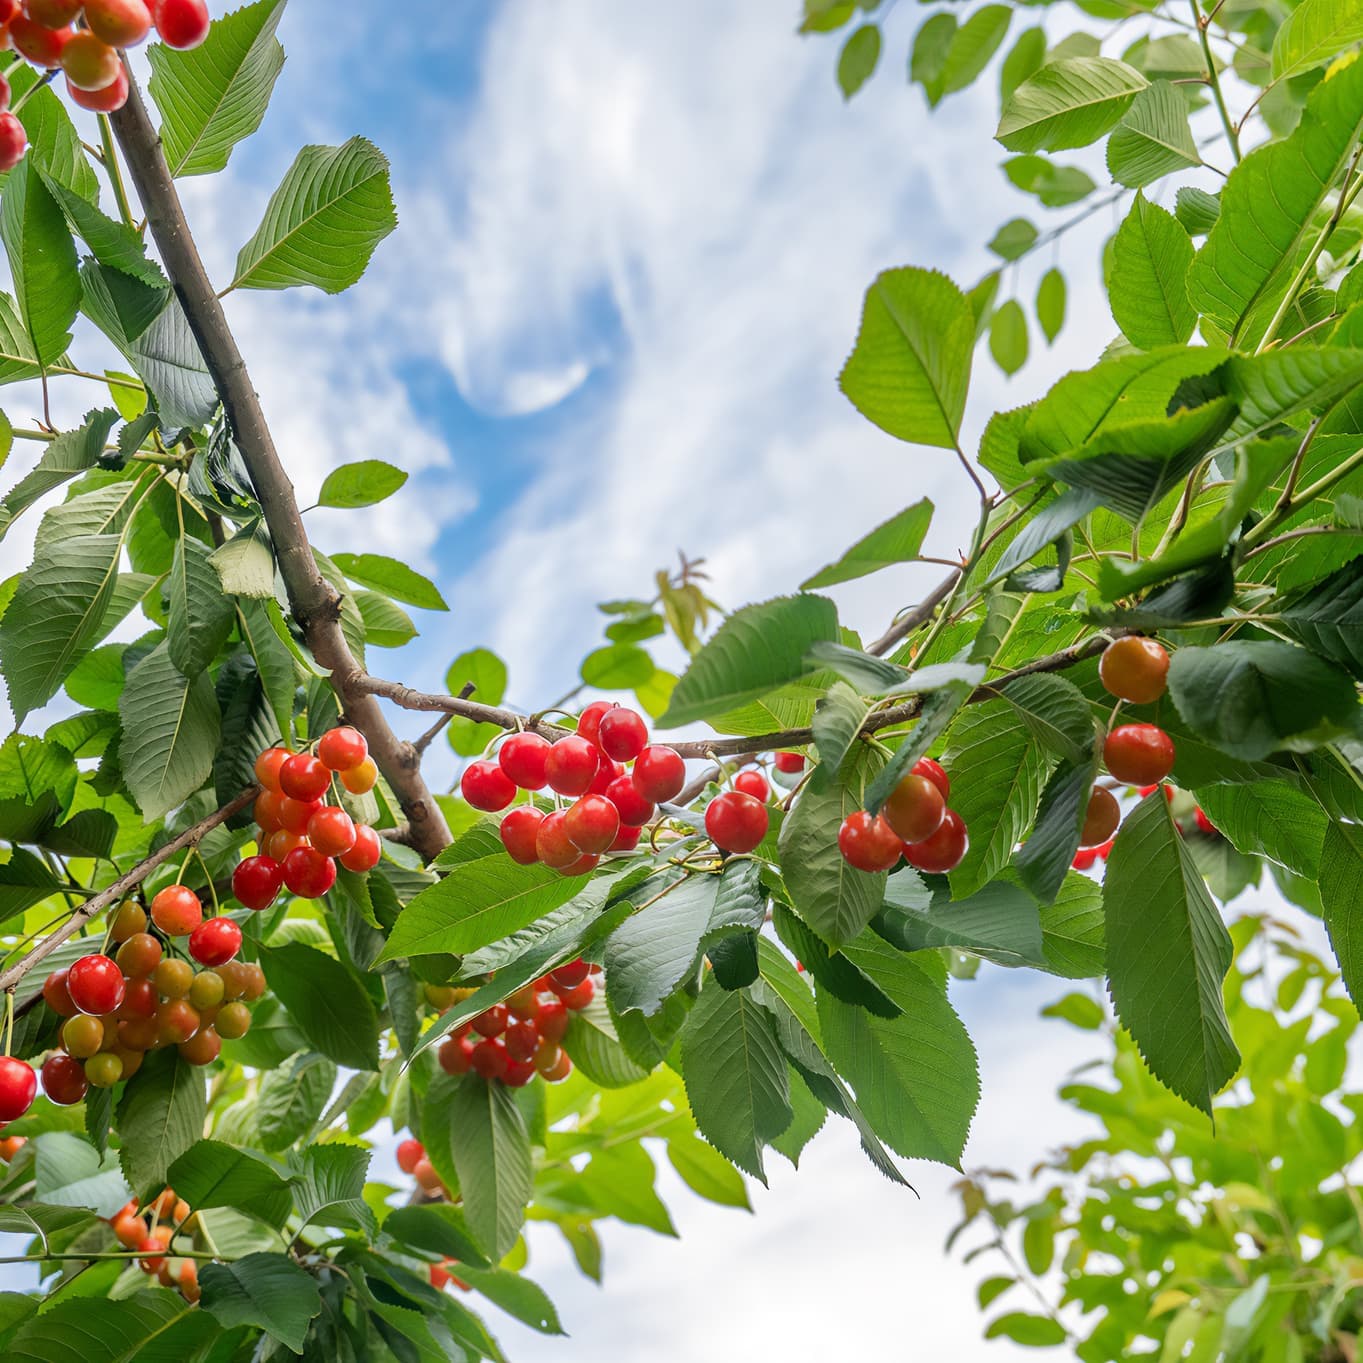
(914,823)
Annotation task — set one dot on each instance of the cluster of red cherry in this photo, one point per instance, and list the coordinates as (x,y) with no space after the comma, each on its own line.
(83,39)
(913,823)
(150,1231)
(514,1041)
(299,833)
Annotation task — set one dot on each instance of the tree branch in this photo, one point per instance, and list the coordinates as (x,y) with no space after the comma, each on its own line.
(315,603)
(129,880)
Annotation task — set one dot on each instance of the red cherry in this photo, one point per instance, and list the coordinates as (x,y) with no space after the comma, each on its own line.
(575,1000)
(105,101)
(256,882)
(914,809)
(622,734)
(1100,819)
(203,1048)
(52,13)
(868,843)
(589,721)
(268,765)
(569,976)
(1204,824)
(139,1000)
(96,984)
(486,786)
(736,822)
(57,996)
(296,815)
(120,23)
(408,1153)
(570,766)
(552,843)
(342,748)
(181,23)
(519,1073)
(521,1040)
(789,762)
(519,830)
(456,1054)
(215,942)
(366,852)
(492,1021)
(585,863)
(42,46)
(1139,754)
(89,63)
(753,783)
(64,1079)
(633,809)
(659,774)
(1134,669)
(592,822)
(524,1003)
(552,1020)
(490,1059)
(279,844)
(942,852)
(331,831)
(176,910)
(308,873)
(268,811)
(1084,858)
(302,777)
(522,758)
(935,773)
(13,142)
(18,1085)
(608,772)
(626,840)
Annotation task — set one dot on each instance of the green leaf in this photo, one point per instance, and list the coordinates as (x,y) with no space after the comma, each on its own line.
(736,1076)
(392,578)
(520,1298)
(910,369)
(1167,955)
(755,650)
(111,243)
(1014,239)
(1056,712)
(1050,303)
(1025,58)
(200,617)
(148,1327)
(1045,857)
(1054,185)
(1151,255)
(363,483)
(269,1291)
(1271,819)
(42,261)
(323,222)
(386,625)
(160,1115)
(291,1099)
(170,728)
(971,47)
(1341,883)
(56,616)
(1068,103)
(1326,618)
(1254,697)
(928,57)
(1313,34)
(937,713)
(328,1002)
(706,1172)
(858,58)
(619,1180)
(617,667)
(1008,337)
(492,1156)
(18,359)
(836,723)
(898,540)
(999,922)
(1244,267)
(54,143)
(653,951)
(1196,210)
(70,1172)
(214,1174)
(437,1227)
(595,1048)
(214,95)
(245,564)
(330,1190)
(1153,138)
(1036,1332)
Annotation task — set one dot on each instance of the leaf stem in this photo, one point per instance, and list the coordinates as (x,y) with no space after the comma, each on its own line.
(106,142)
(1213,79)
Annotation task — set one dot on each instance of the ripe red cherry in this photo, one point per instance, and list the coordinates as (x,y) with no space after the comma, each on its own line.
(215,942)
(302,777)
(1134,669)
(104,101)
(268,811)
(1139,754)
(569,975)
(1100,819)
(42,46)
(626,840)
(89,63)
(366,852)
(522,757)
(1204,824)
(592,823)
(753,783)
(181,23)
(553,845)
(914,809)
(279,844)
(622,734)
(570,765)
(139,1000)
(57,996)
(96,984)
(490,1059)
(331,831)
(589,721)
(268,765)
(552,1020)
(518,1073)
(519,830)
(176,910)
(736,822)
(942,852)
(789,762)
(633,809)
(576,999)
(52,13)
(296,815)
(456,1054)
(659,773)
(868,843)
(308,873)
(120,23)
(521,1040)
(492,1021)
(586,862)
(256,882)
(64,1079)
(13,142)
(935,773)
(554,1065)
(18,1085)
(342,748)
(486,786)
(203,1048)
(608,772)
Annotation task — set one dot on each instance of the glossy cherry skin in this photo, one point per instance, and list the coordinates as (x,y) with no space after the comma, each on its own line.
(42,46)
(589,721)
(296,815)
(304,777)
(268,765)
(105,101)
(18,1086)
(571,764)
(1139,754)
(585,864)
(492,1021)
(622,734)
(257,881)
(659,773)
(914,808)
(486,786)
(868,843)
(173,978)
(518,832)
(203,1048)
(626,840)
(64,1080)
(633,809)
(1204,824)
(139,1000)
(935,773)
(268,811)
(1100,818)
(490,1059)
(367,851)
(521,1039)
(139,955)
(576,999)
(177,1020)
(1134,669)
(342,748)
(456,1054)
(753,783)
(57,996)
(181,23)
(789,762)
(942,852)
(736,822)
(592,823)
(128,921)
(13,142)
(120,23)
(233,1021)
(357,780)
(522,757)
(308,873)
(569,975)
(280,843)
(216,941)
(96,984)
(608,772)
(52,13)
(331,831)
(552,1020)
(82,1036)
(555,848)
(89,63)
(555,1066)
(176,910)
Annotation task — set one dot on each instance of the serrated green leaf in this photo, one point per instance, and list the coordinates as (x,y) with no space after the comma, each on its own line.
(1008,336)
(160,1115)
(213,1174)
(42,261)
(492,1156)
(1045,857)
(269,1291)
(652,952)
(1153,138)
(387,575)
(1068,103)
(1271,819)
(199,617)
(291,1098)
(898,540)
(1151,255)
(1314,33)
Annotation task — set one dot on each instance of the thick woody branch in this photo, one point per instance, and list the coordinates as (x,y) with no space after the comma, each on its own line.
(126,883)
(315,603)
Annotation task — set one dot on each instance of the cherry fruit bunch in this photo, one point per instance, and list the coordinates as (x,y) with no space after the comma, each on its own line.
(83,40)
(914,823)
(299,832)
(151,1231)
